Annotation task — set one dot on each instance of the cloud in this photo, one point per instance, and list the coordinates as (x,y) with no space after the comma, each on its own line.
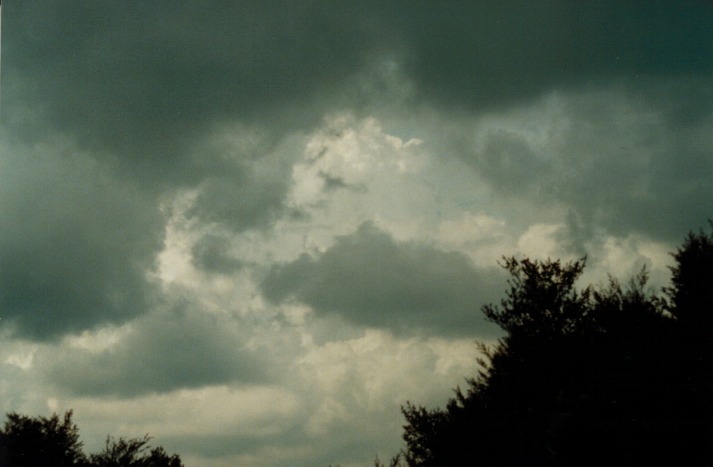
(209,253)
(372,280)
(347,154)
(245,176)
(141,93)
(226,418)
(146,79)
(238,203)
(491,55)
(178,349)
(343,389)
(76,244)
(605,158)
(254,229)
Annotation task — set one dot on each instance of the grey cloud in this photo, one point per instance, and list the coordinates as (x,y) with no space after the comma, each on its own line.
(239,203)
(333,327)
(211,253)
(293,440)
(144,78)
(371,280)
(515,167)
(246,174)
(250,194)
(139,82)
(181,348)
(485,54)
(75,244)
(332,183)
(574,236)
(611,160)
(141,90)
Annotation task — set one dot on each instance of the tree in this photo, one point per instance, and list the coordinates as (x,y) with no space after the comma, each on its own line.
(503,417)
(28,442)
(394,462)
(133,452)
(690,293)
(42,442)
(690,302)
(593,376)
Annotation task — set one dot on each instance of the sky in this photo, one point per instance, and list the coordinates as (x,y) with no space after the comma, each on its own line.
(255,229)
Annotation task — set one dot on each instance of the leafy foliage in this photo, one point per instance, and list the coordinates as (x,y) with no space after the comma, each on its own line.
(133,452)
(690,302)
(597,376)
(690,294)
(394,462)
(41,442)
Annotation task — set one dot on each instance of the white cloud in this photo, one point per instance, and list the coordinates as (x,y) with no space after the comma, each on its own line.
(259,411)
(540,241)
(622,257)
(21,357)
(484,238)
(347,153)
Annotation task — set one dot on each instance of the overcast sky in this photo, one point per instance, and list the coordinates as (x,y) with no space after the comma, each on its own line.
(255,229)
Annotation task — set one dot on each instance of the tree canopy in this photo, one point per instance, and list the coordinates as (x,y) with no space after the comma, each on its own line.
(40,441)
(54,442)
(613,375)
(133,452)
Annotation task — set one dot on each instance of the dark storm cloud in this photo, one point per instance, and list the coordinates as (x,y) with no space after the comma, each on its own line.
(481,54)
(140,83)
(369,279)
(182,348)
(75,244)
(143,77)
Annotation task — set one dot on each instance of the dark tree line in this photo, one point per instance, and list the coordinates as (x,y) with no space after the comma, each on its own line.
(54,442)
(614,375)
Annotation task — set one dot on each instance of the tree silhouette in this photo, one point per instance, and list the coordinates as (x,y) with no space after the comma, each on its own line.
(51,442)
(28,442)
(594,376)
(690,302)
(133,452)
(690,292)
